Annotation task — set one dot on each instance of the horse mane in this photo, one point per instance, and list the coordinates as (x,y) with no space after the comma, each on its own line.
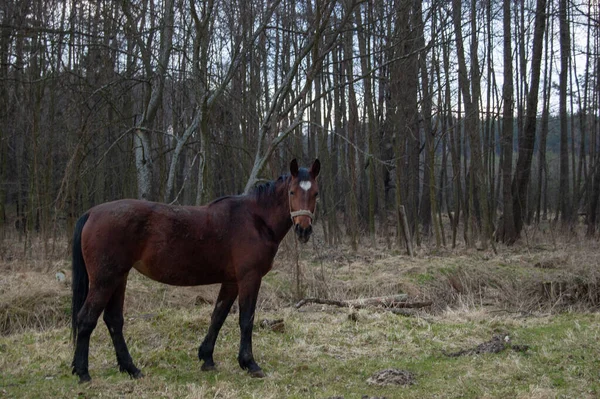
(263,192)
(266,191)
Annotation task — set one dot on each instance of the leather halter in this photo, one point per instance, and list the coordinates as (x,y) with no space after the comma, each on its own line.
(301,212)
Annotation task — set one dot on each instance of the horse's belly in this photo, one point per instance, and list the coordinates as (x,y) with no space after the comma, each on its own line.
(182,273)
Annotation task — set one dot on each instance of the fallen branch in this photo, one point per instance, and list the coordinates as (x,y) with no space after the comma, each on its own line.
(390,302)
(320,301)
(385,301)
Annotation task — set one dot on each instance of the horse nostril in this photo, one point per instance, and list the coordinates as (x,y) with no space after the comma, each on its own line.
(303,233)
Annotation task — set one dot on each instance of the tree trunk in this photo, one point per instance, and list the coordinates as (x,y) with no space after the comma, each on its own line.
(427,204)
(527,140)
(542,169)
(142,138)
(352,127)
(594,200)
(564,195)
(477,187)
(508,232)
(371,122)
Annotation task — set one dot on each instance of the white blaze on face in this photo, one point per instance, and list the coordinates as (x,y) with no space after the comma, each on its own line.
(305,185)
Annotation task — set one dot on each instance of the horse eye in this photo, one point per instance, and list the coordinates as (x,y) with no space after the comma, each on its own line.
(291,193)
(316,194)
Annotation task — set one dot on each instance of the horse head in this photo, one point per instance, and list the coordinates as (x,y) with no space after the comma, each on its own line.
(303,191)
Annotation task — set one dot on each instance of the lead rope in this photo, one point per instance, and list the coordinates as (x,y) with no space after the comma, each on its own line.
(297,255)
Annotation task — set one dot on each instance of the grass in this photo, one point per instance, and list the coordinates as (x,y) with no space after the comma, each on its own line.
(324,353)
(321,354)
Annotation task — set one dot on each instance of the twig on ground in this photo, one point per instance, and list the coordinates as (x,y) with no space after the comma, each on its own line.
(391,302)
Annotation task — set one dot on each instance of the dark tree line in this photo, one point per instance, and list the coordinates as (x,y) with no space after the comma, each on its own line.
(478,117)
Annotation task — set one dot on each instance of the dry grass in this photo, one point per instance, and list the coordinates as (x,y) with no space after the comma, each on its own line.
(321,354)
(543,276)
(31,300)
(524,290)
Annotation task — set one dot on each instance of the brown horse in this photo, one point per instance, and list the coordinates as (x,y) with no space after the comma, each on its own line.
(231,241)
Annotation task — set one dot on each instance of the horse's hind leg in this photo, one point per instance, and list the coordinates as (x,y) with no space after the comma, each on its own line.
(86,322)
(226,297)
(248,296)
(113,317)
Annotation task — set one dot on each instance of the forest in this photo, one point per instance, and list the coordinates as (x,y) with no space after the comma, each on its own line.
(462,133)
(480,117)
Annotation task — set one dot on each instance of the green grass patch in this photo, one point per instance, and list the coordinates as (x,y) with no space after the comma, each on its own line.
(323,353)
(320,355)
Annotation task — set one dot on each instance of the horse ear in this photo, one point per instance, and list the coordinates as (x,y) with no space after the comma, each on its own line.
(315,168)
(294,167)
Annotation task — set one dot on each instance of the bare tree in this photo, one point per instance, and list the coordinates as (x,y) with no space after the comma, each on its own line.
(527,140)
(471,93)
(508,230)
(155,83)
(564,195)
(270,134)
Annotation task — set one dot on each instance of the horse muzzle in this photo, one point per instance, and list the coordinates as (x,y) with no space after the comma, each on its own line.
(302,221)
(303,233)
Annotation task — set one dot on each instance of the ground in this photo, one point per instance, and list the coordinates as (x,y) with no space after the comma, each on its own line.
(536,307)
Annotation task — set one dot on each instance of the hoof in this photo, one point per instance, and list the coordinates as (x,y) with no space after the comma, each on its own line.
(137,375)
(84,376)
(208,367)
(257,374)
(133,371)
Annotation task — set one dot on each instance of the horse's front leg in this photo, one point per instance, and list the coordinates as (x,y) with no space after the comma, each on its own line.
(248,288)
(226,297)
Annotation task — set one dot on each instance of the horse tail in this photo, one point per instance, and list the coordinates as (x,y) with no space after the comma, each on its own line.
(80,280)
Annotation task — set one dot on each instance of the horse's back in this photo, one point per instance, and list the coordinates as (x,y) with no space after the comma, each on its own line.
(176,245)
